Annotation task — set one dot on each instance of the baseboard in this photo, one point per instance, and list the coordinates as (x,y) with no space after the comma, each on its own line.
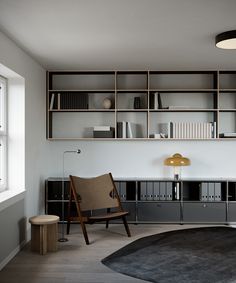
(11,255)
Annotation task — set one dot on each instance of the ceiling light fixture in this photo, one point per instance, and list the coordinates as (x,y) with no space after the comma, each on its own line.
(226,40)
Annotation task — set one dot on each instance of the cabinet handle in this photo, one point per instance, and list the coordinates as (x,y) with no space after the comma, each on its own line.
(204,205)
(158,205)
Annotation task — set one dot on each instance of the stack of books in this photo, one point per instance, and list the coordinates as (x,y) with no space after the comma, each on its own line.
(228,135)
(103,132)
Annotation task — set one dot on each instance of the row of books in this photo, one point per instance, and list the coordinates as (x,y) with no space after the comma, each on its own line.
(124,130)
(69,100)
(155,101)
(188,130)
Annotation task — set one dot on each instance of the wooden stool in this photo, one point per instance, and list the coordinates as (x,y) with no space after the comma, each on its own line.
(44,233)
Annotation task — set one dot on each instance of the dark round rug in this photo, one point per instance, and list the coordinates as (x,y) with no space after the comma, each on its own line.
(206,255)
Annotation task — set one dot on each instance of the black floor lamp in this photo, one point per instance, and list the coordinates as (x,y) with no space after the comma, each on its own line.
(63,238)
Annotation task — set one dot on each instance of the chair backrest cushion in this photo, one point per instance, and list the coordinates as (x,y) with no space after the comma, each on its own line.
(94,193)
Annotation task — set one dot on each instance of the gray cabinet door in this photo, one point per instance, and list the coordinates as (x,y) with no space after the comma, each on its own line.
(232,212)
(204,212)
(131,208)
(159,212)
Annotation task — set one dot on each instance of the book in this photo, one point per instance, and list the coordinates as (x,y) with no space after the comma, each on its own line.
(129,133)
(121,129)
(151,101)
(104,134)
(159,100)
(101,128)
(74,100)
(155,136)
(58,101)
(52,101)
(227,135)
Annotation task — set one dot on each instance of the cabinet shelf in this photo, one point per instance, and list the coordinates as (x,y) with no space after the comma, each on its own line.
(183,110)
(183,90)
(141,100)
(82,110)
(83,90)
(132,110)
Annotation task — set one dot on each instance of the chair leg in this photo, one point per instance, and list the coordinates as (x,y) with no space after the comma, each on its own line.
(107,222)
(126,226)
(84,232)
(68,227)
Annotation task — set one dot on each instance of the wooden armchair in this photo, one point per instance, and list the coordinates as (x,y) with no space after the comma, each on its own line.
(93,195)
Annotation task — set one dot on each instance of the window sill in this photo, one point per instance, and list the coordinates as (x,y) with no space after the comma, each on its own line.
(8,198)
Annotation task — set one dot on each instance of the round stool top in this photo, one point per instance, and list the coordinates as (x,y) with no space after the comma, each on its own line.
(44,219)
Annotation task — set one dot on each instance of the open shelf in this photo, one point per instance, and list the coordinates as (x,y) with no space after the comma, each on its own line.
(77,101)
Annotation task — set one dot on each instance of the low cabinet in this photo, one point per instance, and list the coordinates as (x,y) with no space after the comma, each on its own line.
(210,201)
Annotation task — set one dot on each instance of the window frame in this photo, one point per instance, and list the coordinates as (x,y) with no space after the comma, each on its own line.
(3,134)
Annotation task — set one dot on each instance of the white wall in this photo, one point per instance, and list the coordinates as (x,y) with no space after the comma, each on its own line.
(34,75)
(211,159)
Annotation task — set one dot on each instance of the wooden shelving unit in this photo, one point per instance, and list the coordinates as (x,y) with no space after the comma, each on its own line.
(203,97)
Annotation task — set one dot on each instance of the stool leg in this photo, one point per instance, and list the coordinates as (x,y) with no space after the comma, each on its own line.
(52,237)
(43,239)
(35,238)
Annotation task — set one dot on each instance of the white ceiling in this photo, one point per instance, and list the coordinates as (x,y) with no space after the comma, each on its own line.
(121,34)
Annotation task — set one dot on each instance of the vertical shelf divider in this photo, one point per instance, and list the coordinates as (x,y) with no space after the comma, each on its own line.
(148,113)
(115,106)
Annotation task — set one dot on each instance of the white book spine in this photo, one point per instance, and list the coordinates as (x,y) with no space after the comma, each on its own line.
(174,130)
(101,128)
(58,101)
(123,129)
(214,126)
(129,133)
(52,101)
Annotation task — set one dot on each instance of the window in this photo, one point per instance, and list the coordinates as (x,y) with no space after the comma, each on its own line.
(3,133)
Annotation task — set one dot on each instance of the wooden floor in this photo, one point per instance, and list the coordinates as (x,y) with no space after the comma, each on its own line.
(75,262)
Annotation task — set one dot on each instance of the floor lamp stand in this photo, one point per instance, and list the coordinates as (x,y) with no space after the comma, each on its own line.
(63,238)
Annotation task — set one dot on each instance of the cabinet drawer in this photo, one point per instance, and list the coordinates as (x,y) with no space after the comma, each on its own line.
(131,208)
(232,212)
(159,212)
(204,212)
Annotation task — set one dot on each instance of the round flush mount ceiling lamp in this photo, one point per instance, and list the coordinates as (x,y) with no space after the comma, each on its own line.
(226,40)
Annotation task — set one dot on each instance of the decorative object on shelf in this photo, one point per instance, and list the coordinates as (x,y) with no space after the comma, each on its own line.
(137,102)
(63,239)
(177,161)
(226,40)
(106,103)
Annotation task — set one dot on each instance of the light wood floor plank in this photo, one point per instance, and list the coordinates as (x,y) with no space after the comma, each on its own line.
(75,262)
